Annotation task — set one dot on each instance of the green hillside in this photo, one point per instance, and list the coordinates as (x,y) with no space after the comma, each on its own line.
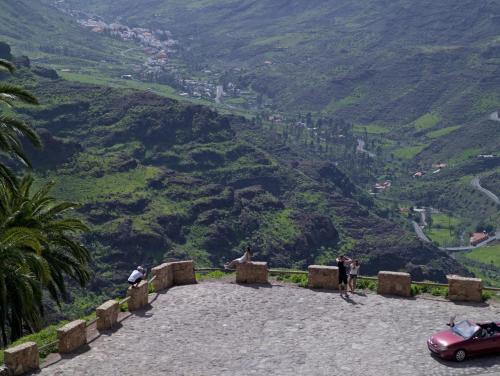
(363,60)
(160,179)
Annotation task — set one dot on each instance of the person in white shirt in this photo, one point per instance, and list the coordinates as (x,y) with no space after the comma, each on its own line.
(137,276)
(247,257)
(353,274)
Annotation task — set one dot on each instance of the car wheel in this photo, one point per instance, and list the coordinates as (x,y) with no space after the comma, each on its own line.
(460,355)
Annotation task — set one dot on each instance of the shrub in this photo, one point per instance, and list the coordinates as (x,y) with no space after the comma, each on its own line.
(300,279)
(364,284)
(485,295)
(216,274)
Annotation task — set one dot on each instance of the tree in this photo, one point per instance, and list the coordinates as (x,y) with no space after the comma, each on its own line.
(42,248)
(37,245)
(12,129)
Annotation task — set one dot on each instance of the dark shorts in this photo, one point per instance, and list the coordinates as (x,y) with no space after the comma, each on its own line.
(343,279)
(136,281)
(353,276)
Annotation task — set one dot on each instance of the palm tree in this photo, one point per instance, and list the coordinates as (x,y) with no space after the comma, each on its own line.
(43,254)
(12,129)
(20,291)
(37,245)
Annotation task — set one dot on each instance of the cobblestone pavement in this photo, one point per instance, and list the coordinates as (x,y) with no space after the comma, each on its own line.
(217,328)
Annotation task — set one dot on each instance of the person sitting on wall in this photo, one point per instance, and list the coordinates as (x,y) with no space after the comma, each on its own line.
(137,276)
(247,257)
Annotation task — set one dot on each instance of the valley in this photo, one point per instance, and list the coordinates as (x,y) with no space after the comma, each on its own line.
(191,136)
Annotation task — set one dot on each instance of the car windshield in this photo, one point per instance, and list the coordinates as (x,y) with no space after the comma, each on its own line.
(465,329)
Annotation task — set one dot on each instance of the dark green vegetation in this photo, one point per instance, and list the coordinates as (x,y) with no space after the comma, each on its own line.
(160,179)
(38,250)
(369,61)
(417,79)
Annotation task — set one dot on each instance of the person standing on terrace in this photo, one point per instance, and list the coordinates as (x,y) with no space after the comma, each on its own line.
(342,263)
(247,257)
(353,275)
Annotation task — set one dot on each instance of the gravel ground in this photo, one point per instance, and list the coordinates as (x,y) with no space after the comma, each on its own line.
(221,328)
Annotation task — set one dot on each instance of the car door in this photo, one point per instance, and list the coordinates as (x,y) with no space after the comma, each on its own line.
(483,345)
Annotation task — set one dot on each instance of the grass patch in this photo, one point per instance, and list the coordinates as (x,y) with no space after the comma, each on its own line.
(111,184)
(442,132)
(408,152)
(489,255)
(427,121)
(442,230)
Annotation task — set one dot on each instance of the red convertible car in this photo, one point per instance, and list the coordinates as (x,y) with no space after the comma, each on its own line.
(464,339)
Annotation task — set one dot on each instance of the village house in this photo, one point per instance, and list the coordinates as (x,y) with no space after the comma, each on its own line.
(276,118)
(439,166)
(478,237)
(382,186)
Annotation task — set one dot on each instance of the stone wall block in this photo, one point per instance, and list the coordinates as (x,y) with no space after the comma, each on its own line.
(252,272)
(22,358)
(107,315)
(394,283)
(138,296)
(72,336)
(464,289)
(323,277)
(164,276)
(183,272)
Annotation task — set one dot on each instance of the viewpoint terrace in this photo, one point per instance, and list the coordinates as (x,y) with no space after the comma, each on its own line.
(224,328)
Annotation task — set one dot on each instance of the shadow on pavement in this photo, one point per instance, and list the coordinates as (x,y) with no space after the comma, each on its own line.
(484,361)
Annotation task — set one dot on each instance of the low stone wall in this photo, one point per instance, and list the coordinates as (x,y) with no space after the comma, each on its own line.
(183,272)
(72,336)
(107,315)
(394,283)
(138,296)
(252,272)
(164,276)
(464,289)
(323,277)
(22,359)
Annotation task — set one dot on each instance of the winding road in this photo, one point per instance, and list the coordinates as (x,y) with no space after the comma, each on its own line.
(476,183)
(420,233)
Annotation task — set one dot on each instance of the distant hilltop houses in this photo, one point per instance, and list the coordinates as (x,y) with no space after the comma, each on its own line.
(157,43)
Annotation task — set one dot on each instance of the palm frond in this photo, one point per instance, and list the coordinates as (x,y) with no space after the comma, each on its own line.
(13,126)
(7,65)
(15,92)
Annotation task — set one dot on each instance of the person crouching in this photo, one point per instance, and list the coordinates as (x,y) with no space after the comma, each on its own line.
(137,276)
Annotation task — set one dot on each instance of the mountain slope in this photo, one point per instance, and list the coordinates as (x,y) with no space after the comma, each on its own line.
(385,61)
(49,36)
(160,179)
